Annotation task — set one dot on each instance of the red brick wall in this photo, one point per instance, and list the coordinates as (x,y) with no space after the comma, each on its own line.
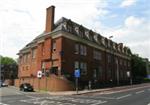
(52,83)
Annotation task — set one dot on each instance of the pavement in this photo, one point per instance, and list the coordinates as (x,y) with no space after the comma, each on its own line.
(113,89)
(126,95)
(99,90)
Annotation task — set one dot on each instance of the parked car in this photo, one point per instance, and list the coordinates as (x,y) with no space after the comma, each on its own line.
(26,87)
(3,84)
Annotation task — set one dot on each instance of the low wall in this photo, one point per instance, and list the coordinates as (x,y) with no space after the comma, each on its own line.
(52,83)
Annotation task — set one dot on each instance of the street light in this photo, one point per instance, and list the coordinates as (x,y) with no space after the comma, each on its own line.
(110,37)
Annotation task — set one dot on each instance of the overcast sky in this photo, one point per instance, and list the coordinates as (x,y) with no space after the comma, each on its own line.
(127,20)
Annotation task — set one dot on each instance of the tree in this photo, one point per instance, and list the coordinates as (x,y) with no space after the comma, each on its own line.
(7,60)
(138,67)
(8,67)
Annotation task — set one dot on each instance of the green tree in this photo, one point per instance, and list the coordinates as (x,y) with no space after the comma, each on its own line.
(7,60)
(138,67)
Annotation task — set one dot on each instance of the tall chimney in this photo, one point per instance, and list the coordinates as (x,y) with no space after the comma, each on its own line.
(50,11)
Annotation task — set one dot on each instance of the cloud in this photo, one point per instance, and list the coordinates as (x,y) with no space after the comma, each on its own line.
(135,34)
(127,3)
(22,21)
(132,21)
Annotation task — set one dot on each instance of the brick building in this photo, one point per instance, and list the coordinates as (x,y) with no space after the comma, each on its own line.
(65,46)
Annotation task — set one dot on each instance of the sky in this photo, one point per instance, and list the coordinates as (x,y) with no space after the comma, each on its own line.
(128,21)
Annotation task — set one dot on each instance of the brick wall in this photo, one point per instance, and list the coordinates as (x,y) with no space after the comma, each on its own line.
(52,83)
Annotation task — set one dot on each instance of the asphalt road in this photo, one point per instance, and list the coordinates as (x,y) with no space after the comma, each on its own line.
(129,96)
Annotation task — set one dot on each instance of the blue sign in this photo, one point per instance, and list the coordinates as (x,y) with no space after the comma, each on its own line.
(148,76)
(77,73)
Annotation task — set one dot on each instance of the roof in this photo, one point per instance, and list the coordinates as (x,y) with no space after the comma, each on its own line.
(68,25)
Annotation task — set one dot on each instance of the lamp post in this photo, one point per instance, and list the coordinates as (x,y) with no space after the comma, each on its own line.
(117,72)
(111,59)
(129,76)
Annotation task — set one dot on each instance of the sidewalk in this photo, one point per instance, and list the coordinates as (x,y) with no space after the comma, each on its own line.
(91,91)
(98,90)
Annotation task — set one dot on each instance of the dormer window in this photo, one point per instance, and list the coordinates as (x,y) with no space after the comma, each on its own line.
(109,43)
(65,25)
(114,46)
(103,41)
(96,38)
(69,28)
(81,31)
(87,34)
(91,35)
(77,30)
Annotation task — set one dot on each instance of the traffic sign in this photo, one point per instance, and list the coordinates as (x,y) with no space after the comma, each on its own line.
(39,74)
(77,73)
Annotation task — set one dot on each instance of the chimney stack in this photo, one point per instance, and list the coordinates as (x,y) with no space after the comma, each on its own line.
(50,12)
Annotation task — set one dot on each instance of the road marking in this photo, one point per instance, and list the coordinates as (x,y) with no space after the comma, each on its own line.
(3,104)
(118,98)
(98,103)
(124,90)
(140,92)
(19,93)
(112,98)
(62,101)
(31,96)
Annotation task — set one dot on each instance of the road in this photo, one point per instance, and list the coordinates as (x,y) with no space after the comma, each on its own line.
(129,96)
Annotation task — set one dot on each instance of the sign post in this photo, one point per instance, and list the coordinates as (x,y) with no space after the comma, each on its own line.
(77,75)
(39,75)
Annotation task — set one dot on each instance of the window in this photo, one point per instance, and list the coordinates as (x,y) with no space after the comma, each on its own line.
(43,65)
(100,71)
(109,58)
(76,48)
(54,46)
(103,41)
(69,28)
(97,73)
(109,73)
(128,64)
(121,61)
(25,58)
(33,53)
(77,30)
(116,60)
(27,68)
(28,57)
(83,67)
(79,48)
(83,50)
(97,55)
(76,64)
(43,50)
(87,34)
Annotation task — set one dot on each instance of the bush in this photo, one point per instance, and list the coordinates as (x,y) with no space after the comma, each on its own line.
(146,80)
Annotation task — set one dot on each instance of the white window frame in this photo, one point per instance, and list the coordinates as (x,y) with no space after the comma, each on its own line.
(76,65)
(83,67)
(77,50)
(54,45)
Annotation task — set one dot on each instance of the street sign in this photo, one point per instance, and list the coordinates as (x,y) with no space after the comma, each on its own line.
(39,74)
(77,73)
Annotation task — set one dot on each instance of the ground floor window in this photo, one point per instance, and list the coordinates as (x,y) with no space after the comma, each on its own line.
(54,70)
(82,66)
